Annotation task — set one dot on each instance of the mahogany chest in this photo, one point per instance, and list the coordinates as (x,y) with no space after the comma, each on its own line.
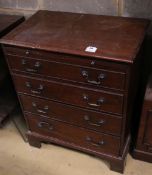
(143,147)
(76,76)
(7,103)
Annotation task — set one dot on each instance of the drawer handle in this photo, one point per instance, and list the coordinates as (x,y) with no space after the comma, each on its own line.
(85,74)
(98,144)
(27,52)
(35,91)
(99,102)
(36,66)
(43,111)
(99,124)
(43,124)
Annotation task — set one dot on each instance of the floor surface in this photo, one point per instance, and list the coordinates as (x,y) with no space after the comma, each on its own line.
(18,158)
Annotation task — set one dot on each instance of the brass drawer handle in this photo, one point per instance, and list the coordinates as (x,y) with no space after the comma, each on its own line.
(85,74)
(35,91)
(43,111)
(97,144)
(35,68)
(99,124)
(99,102)
(44,125)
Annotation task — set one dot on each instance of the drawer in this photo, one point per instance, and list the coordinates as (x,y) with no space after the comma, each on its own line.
(66,71)
(24,52)
(65,58)
(72,115)
(66,93)
(74,135)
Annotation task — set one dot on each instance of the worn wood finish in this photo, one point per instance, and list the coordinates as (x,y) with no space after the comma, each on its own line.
(76,73)
(7,99)
(120,42)
(72,134)
(81,96)
(71,97)
(143,147)
(73,115)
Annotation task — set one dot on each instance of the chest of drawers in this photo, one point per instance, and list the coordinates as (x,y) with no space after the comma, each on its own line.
(143,146)
(73,97)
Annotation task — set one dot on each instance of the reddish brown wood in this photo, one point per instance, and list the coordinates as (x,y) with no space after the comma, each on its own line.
(33,141)
(79,60)
(116,38)
(143,147)
(81,137)
(118,166)
(73,115)
(7,99)
(76,73)
(67,84)
(81,96)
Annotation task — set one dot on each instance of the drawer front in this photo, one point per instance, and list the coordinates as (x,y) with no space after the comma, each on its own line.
(68,58)
(72,115)
(85,75)
(79,96)
(74,135)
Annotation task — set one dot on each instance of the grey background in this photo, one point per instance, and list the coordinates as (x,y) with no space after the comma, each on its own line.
(133,8)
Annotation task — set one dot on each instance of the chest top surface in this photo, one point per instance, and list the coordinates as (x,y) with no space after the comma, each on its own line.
(116,38)
(6,21)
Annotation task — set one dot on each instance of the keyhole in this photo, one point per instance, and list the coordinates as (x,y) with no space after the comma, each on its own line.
(92,63)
